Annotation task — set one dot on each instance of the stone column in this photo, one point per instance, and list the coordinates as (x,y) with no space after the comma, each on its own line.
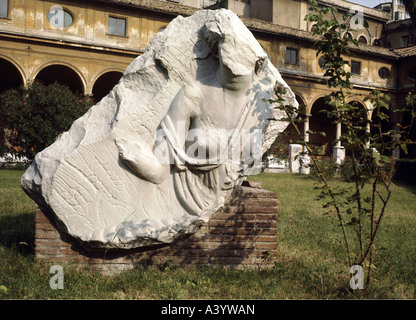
(306,128)
(304,160)
(338,152)
(396,151)
(338,134)
(368,129)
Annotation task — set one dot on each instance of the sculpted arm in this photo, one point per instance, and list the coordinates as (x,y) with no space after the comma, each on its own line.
(143,161)
(184,108)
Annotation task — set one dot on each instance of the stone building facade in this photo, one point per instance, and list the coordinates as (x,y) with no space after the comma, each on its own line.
(88,44)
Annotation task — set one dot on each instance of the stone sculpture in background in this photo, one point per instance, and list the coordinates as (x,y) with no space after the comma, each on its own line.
(153,160)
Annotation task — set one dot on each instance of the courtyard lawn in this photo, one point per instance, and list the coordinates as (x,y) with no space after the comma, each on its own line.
(310,261)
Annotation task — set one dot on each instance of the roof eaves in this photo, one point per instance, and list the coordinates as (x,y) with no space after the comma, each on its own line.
(251,23)
(346,5)
(405,52)
(268,27)
(154,5)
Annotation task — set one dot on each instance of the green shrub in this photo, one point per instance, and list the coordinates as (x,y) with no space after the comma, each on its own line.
(35,115)
(347,173)
(327,167)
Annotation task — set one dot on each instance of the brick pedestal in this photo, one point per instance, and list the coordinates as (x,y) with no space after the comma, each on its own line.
(241,234)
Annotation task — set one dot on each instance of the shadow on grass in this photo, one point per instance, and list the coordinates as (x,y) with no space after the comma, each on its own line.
(18,231)
(408,185)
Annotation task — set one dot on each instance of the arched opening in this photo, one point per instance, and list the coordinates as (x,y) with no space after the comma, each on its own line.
(380,124)
(61,74)
(358,119)
(104,84)
(11,78)
(320,123)
(291,135)
(362,40)
(280,147)
(409,126)
(357,123)
(348,35)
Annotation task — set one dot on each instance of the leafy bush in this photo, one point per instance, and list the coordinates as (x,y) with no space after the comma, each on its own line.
(327,167)
(34,116)
(348,174)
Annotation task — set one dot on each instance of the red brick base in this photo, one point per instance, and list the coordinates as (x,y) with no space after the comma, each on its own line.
(241,234)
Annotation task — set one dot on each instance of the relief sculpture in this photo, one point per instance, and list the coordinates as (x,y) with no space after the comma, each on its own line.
(153,160)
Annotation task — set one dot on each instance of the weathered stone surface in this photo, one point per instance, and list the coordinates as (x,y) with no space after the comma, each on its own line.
(156,157)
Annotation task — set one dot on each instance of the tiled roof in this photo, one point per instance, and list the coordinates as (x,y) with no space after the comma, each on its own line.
(268,27)
(253,24)
(405,52)
(155,5)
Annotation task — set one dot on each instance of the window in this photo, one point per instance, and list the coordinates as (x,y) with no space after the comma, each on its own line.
(404,41)
(4,8)
(291,56)
(362,40)
(384,73)
(348,35)
(322,64)
(117,26)
(412,73)
(59,17)
(355,67)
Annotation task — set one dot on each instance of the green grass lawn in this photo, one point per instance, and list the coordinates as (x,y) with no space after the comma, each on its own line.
(310,261)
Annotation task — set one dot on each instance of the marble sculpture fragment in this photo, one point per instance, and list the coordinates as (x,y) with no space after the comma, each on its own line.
(184,126)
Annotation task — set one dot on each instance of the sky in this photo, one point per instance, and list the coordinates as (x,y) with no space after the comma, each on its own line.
(369,3)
